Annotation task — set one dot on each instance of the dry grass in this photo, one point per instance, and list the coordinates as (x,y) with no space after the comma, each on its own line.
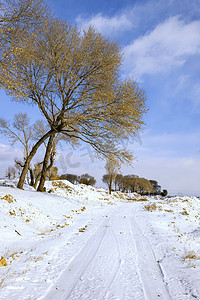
(61,185)
(150,207)
(9,198)
(2,281)
(3,262)
(83,229)
(137,199)
(68,217)
(184,212)
(12,213)
(192,255)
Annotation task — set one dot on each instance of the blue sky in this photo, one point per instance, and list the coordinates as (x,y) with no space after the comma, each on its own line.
(161,45)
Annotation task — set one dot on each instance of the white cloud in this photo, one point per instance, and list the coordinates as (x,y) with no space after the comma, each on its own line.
(164,48)
(105,24)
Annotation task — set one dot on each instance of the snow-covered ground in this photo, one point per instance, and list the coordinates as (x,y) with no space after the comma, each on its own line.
(77,242)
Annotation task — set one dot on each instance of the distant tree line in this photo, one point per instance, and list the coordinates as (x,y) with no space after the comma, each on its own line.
(124,183)
(12,172)
(82,179)
(133,183)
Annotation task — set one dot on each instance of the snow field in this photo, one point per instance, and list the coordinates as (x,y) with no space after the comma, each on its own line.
(173,228)
(77,242)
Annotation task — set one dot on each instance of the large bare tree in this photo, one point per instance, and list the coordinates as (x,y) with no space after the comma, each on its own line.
(74,79)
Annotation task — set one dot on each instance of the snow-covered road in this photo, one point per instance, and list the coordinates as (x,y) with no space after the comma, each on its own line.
(116,262)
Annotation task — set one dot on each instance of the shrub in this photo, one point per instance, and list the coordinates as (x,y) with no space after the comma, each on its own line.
(164,193)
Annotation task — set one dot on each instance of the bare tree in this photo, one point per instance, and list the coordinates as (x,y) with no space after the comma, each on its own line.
(74,79)
(11,172)
(22,131)
(112,166)
(18,167)
(18,131)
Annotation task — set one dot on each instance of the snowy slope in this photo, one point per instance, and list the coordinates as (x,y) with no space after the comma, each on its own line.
(77,242)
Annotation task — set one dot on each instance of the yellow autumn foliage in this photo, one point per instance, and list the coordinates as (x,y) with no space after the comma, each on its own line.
(74,79)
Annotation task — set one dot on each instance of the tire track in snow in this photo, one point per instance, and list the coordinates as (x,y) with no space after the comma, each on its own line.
(103,269)
(116,269)
(150,273)
(78,264)
(125,283)
(84,277)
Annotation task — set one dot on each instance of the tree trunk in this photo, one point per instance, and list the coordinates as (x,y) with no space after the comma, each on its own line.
(29,158)
(110,186)
(39,175)
(37,180)
(31,176)
(45,164)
